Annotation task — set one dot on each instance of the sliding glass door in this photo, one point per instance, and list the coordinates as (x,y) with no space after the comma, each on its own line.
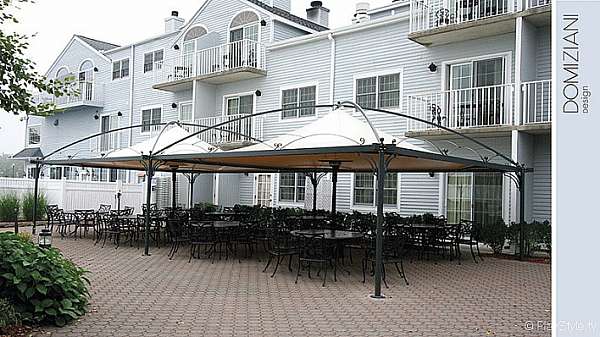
(476,197)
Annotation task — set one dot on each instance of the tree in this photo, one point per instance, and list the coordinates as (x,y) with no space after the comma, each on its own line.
(18,77)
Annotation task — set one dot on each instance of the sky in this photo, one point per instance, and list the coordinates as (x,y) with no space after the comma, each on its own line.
(53,23)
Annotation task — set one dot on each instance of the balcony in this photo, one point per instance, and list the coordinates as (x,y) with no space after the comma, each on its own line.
(536,103)
(87,94)
(236,134)
(488,107)
(439,22)
(226,63)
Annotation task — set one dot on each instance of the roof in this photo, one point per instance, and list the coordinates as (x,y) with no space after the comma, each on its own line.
(289,16)
(28,153)
(100,46)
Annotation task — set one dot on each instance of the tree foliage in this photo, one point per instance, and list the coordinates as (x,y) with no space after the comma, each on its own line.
(18,77)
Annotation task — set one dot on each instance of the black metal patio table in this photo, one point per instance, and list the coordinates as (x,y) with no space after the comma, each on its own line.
(329,234)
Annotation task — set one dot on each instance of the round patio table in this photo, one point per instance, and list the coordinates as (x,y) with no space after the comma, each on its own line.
(329,234)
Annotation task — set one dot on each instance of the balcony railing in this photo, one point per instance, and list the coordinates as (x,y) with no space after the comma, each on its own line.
(106,143)
(463,108)
(536,3)
(536,102)
(87,93)
(429,14)
(223,58)
(237,132)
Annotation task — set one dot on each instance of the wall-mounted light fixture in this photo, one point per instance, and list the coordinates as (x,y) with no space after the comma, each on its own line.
(431,174)
(174,105)
(432,67)
(176,47)
(96,69)
(120,114)
(96,117)
(55,122)
(263,23)
(258,93)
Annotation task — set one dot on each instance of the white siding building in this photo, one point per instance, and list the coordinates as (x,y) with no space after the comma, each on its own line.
(482,69)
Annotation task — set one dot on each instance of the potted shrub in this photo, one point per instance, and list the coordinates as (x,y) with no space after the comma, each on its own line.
(494,235)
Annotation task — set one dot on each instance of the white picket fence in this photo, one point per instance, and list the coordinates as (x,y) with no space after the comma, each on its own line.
(72,195)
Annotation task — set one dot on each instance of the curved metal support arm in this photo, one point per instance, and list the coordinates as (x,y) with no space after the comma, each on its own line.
(360,109)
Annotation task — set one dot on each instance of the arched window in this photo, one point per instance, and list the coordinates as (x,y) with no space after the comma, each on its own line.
(194,33)
(191,37)
(87,65)
(62,73)
(86,79)
(244,26)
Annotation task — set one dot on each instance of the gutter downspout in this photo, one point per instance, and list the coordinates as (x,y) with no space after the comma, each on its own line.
(131,86)
(332,70)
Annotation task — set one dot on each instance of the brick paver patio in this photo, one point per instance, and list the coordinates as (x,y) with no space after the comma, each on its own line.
(134,295)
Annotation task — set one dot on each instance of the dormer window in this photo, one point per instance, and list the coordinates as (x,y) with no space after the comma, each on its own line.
(244,26)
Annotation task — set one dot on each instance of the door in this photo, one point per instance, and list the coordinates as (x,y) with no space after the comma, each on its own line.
(243,47)
(263,194)
(236,106)
(476,197)
(477,94)
(86,80)
(185,70)
(108,141)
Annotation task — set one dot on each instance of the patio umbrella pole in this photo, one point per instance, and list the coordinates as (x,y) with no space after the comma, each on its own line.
(149,174)
(35,195)
(381,168)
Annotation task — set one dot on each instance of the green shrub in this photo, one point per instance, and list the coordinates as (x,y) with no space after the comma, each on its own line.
(44,286)
(28,206)
(8,314)
(9,207)
(535,234)
(494,235)
(205,207)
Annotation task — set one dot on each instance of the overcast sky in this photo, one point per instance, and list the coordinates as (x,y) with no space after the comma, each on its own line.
(118,21)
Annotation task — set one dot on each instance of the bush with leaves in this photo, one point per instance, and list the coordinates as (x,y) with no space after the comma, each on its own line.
(8,314)
(535,234)
(28,206)
(43,285)
(494,235)
(9,207)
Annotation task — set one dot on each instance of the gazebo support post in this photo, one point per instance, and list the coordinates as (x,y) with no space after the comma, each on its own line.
(149,174)
(192,180)
(314,180)
(521,179)
(36,175)
(335,168)
(173,191)
(381,173)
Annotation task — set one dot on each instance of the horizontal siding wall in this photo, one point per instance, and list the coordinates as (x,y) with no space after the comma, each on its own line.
(542,178)
(544,53)
(283,32)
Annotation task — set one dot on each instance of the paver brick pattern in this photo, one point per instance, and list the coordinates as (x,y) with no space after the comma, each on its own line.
(136,295)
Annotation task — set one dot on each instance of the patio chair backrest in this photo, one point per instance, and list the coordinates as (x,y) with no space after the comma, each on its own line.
(104,208)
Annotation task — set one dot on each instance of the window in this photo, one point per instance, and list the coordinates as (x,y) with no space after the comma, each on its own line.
(70,173)
(240,105)
(381,92)
(299,97)
(149,117)
(109,141)
(150,60)
(62,74)
(34,135)
(244,27)
(292,187)
(56,173)
(365,188)
(186,112)
(31,171)
(120,69)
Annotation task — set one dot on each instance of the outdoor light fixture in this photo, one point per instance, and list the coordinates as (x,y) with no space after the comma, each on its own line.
(431,174)
(432,67)
(263,23)
(120,114)
(258,93)
(174,105)
(96,117)
(176,47)
(45,238)
(96,69)
(55,122)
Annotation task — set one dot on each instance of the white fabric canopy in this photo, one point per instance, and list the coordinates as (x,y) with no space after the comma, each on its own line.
(169,136)
(336,129)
